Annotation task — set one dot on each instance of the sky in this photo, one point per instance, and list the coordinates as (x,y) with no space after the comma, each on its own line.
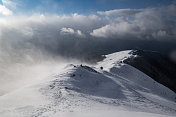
(78,6)
(40,29)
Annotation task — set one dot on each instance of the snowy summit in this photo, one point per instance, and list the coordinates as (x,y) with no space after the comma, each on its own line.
(109,88)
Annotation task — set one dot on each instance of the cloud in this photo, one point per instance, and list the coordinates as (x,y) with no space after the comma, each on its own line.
(160,34)
(11,4)
(67,31)
(116,30)
(70,31)
(40,37)
(5,11)
(150,23)
(118,12)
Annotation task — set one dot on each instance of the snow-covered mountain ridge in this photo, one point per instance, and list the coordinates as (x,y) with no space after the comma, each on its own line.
(109,88)
(159,67)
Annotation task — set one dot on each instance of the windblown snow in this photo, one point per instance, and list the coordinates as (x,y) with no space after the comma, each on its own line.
(109,88)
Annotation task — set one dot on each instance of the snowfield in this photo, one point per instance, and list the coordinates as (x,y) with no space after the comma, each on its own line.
(115,90)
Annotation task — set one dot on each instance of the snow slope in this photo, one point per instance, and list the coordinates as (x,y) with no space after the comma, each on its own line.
(86,90)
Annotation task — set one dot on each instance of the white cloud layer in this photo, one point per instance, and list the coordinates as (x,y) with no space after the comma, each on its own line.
(118,12)
(70,31)
(151,23)
(5,11)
